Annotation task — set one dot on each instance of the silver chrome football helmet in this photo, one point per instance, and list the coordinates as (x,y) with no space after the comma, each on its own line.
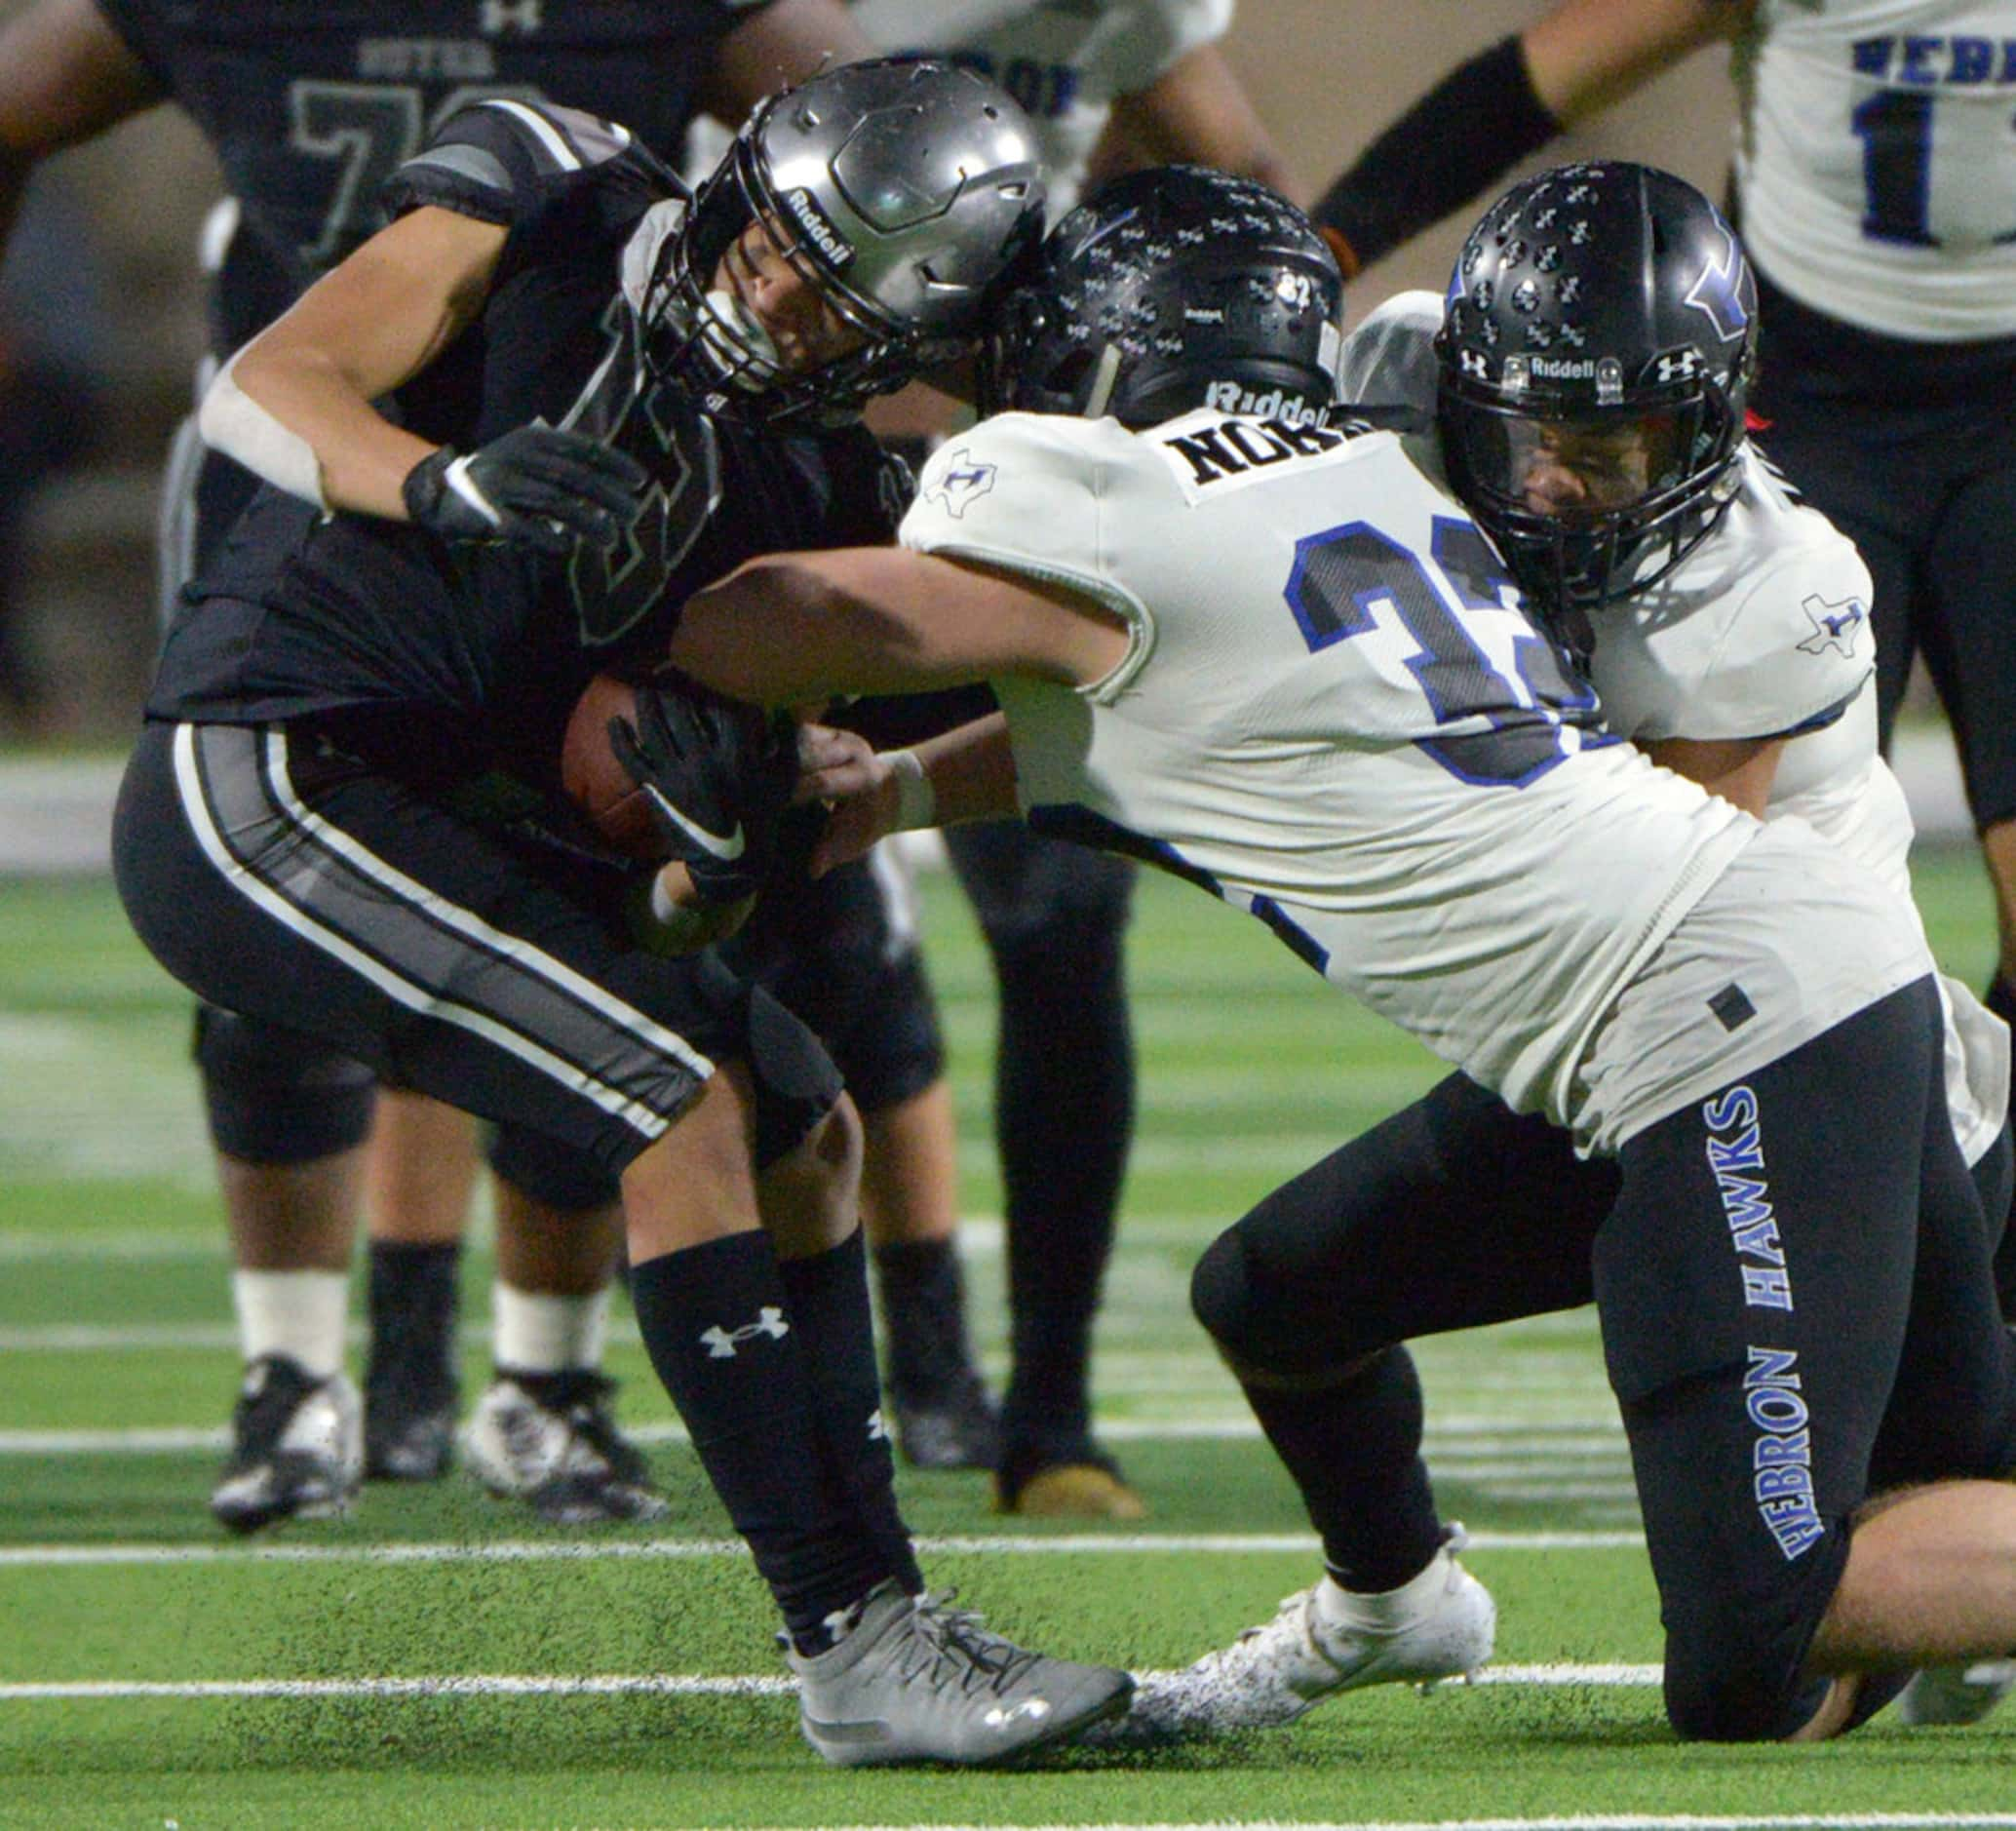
(905,190)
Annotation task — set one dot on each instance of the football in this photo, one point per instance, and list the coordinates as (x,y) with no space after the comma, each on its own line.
(597,781)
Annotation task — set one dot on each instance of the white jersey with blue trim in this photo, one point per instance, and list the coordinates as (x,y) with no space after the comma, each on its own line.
(1876,161)
(1763,632)
(1335,714)
(1065,62)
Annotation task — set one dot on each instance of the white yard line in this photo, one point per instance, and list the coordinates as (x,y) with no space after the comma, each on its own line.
(588,1550)
(1458,1444)
(654,1685)
(1584,1821)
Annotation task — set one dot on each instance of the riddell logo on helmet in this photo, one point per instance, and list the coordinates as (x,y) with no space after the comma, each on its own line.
(823,236)
(1563,368)
(1229,397)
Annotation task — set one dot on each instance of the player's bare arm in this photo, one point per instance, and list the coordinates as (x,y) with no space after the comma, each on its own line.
(1196,113)
(1738,769)
(794,628)
(967,773)
(65,75)
(777,45)
(363,329)
(1587,55)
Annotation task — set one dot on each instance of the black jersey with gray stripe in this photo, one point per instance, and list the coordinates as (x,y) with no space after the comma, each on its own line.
(489,645)
(310,104)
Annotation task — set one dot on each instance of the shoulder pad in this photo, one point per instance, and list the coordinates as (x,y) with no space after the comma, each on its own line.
(502,160)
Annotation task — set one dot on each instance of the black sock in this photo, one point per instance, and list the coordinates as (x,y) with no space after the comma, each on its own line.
(924,1315)
(715,1322)
(1354,1451)
(413,1297)
(827,1300)
(1064,1111)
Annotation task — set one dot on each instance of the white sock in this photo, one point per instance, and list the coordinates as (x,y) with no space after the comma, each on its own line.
(300,1315)
(534,1333)
(1380,1610)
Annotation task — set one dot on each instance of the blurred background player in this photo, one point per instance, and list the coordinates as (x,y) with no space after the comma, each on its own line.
(1725,627)
(53,339)
(1110,85)
(308,115)
(1875,184)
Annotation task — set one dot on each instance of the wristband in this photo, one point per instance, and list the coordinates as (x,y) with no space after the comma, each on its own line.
(916,800)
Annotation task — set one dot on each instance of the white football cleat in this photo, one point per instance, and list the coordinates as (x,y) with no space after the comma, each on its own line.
(297,1447)
(1440,1624)
(1956,1694)
(551,1440)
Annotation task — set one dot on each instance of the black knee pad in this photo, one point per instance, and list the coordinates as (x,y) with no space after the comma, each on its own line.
(277,1097)
(1263,1322)
(836,959)
(1220,1297)
(557,1175)
(796,1084)
(896,1050)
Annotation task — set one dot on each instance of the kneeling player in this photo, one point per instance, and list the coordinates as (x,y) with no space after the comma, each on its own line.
(1279,658)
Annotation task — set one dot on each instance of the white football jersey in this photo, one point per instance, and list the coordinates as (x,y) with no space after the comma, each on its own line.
(1334,714)
(1876,161)
(1065,61)
(1762,630)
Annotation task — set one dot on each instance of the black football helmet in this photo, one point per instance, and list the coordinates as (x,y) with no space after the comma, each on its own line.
(1173,289)
(1596,347)
(905,190)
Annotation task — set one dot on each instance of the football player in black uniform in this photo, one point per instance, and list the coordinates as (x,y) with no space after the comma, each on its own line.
(333,817)
(309,108)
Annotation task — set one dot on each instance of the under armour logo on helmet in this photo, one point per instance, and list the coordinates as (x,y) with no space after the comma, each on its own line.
(1717,289)
(1678,364)
(1474,362)
(722,1343)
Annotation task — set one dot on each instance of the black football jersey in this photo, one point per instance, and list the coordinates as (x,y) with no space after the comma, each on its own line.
(312,105)
(478,651)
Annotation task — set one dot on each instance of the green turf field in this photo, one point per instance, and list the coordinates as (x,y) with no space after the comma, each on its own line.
(154,1676)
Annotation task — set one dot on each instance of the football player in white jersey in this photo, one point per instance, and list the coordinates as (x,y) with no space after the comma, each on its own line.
(1746,666)
(1278,659)
(1875,178)
(1109,85)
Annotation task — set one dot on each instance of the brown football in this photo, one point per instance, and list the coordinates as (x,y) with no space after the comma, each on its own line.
(599,784)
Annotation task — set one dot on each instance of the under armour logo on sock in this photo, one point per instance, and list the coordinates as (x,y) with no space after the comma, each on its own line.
(720,1342)
(877,1431)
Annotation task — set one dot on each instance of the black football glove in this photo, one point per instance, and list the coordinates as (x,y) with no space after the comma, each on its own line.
(719,775)
(538,485)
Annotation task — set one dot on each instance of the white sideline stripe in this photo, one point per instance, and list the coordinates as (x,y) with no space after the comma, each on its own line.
(579,1550)
(1456,1445)
(1589,1821)
(654,1685)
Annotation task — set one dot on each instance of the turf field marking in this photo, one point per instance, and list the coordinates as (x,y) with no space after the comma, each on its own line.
(1459,1441)
(571,1550)
(654,1685)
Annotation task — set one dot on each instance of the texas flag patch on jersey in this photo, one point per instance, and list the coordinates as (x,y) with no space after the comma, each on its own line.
(1835,625)
(961,484)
